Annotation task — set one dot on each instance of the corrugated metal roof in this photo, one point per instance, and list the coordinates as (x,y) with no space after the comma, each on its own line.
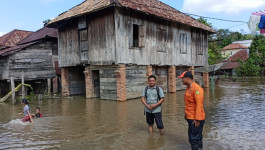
(232,60)
(235,46)
(40,34)
(15,49)
(10,39)
(153,7)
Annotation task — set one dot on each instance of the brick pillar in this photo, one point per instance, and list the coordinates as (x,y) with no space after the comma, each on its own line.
(206,80)
(55,85)
(89,83)
(172,79)
(65,81)
(148,72)
(120,74)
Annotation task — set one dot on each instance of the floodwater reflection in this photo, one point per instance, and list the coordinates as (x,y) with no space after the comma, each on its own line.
(234,120)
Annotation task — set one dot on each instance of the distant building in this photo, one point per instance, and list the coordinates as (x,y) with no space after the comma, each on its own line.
(232,62)
(233,48)
(36,55)
(244,42)
(107,48)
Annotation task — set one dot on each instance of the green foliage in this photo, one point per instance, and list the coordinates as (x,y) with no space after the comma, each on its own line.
(45,22)
(204,21)
(256,62)
(214,53)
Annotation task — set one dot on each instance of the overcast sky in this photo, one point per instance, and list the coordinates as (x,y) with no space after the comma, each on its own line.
(29,14)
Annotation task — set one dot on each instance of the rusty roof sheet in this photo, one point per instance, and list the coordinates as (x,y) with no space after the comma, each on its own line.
(15,49)
(40,34)
(235,46)
(13,37)
(153,7)
(232,60)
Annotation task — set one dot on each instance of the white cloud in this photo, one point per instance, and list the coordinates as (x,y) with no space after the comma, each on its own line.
(223,6)
(2,33)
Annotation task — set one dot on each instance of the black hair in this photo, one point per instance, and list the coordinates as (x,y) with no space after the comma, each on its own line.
(152,76)
(38,108)
(188,75)
(25,101)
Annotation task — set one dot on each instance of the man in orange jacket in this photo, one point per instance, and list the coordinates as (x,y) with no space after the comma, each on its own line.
(194,112)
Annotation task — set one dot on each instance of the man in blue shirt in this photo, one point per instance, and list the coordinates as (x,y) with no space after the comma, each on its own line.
(152,98)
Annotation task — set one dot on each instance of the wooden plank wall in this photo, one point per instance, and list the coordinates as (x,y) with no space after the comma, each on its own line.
(36,62)
(77,81)
(4,72)
(101,41)
(69,54)
(108,86)
(161,74)
(150,52)
(135,81)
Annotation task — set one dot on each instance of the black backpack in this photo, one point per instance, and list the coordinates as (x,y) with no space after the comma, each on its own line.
(157,90)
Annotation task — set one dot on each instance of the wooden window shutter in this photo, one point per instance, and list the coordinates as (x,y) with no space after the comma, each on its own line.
(130,34)
(141,35)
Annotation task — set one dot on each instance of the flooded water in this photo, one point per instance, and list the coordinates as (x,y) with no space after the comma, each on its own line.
(234,120)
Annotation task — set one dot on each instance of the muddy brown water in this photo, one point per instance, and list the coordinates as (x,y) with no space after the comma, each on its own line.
(234,120)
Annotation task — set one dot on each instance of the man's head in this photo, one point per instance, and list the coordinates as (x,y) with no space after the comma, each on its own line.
(37,110)
(187,77)
(152,80)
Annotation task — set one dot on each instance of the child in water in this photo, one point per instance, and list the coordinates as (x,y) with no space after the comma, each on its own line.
(26,111)
(37,113)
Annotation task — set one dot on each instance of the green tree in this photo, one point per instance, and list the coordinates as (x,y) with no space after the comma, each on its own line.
(256,62)
(46,21)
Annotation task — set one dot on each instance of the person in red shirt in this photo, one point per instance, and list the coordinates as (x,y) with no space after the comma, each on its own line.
(194,112)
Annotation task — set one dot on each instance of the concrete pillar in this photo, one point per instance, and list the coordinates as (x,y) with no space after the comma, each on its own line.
(206,80)
(65,82)
(55,85)
(120,74)
(172,87)
(89,83)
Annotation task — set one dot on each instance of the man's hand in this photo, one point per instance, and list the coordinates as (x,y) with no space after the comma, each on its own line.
(149,107)
(153,106)
(196,123)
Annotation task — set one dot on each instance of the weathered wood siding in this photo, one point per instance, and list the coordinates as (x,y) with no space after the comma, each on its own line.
(88,41)
(36,62)
(135,81)
(68,45)
(77,81)
(108,86)
(4,72)
(162,41)
(161,74)
(179,83)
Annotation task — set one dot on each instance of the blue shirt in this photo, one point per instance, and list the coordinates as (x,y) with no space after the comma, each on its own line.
(26,109)
(152,98)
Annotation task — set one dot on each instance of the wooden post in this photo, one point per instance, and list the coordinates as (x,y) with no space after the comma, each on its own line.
(13,90)
(23,87)
(65,81)
(49,85)
(55,85)
(206,80)
(148,73)
(172,79)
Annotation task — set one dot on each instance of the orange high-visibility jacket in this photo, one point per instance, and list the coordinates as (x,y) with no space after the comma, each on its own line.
(194,102)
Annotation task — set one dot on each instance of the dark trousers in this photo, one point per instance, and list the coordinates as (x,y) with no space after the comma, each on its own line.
(150,117)
(195,135)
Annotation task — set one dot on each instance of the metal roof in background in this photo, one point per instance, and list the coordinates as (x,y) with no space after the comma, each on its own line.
(10,39)
(40,34)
